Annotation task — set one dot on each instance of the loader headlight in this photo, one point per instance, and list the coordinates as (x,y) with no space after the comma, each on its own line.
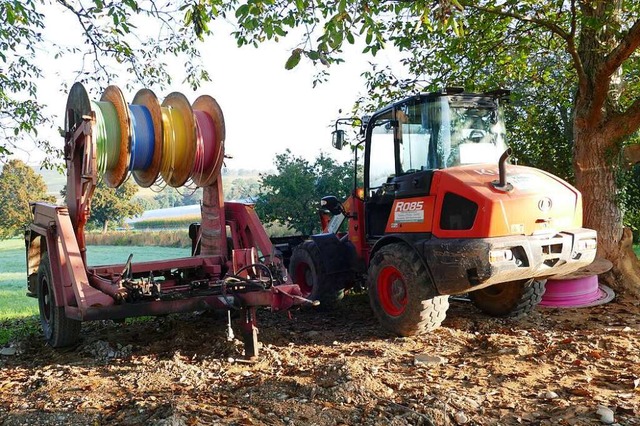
(497,256)
(590,244)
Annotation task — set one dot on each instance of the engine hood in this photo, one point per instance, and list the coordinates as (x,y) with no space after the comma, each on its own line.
(537,202)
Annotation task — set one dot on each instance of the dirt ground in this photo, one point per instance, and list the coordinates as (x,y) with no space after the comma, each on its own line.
(555,367)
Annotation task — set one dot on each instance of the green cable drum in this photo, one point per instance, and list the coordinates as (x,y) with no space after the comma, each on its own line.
(107,135)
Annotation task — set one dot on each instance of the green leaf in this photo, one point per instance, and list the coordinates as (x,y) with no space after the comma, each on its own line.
(242,11)
(293,60)
(11,19)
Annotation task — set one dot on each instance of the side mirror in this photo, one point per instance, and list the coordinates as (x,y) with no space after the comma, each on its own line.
(337,138)
(332,204)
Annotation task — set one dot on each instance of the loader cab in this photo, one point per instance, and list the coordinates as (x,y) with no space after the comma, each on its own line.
(407,141)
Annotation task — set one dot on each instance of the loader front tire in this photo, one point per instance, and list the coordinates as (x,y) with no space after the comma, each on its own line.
(59,331)
(402,294)
(511,299)
(307,270)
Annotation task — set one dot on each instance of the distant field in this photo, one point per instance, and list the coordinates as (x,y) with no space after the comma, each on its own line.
(178,222)
(109,255)
(148,238)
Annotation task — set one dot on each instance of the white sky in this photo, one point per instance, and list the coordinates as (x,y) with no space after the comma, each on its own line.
(267,108)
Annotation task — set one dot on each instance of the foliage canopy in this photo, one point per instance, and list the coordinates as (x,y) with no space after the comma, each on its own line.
(292,195)
(113,205)
(19,185)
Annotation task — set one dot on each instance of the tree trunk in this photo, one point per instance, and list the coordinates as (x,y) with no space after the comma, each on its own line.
(105,226)
(596,179)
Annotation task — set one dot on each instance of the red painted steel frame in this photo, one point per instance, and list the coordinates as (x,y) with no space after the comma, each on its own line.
(97,293)
(247,230)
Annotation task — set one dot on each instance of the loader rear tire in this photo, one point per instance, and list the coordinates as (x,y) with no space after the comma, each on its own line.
(306,270)
(511,299)
(401,292)
(59,331)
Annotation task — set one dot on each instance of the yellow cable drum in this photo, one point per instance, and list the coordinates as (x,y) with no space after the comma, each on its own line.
(179,146)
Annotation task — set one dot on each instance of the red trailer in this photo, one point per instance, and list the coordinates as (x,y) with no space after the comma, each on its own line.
(69,291)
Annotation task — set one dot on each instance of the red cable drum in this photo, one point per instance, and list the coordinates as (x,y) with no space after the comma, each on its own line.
(207,144)
(207,175)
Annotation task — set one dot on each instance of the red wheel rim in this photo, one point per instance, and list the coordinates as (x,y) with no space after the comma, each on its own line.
(303,278)
(392,291)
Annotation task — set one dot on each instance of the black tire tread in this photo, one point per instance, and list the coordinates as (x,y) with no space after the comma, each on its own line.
(531,296)
(65,331)
(518,303)
(427,313)
(328,293)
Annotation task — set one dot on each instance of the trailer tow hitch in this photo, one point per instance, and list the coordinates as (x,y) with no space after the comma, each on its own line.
(297,297)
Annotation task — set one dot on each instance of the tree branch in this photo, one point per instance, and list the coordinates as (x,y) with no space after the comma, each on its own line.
(568,37)
(621,52)
(554,28)
(573,50)
(624,124)
(94,44)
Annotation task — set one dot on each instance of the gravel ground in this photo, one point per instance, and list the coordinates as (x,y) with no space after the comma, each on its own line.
(554,367)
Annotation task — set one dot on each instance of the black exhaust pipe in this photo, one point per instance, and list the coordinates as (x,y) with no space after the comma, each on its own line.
(502,184)
(503,172)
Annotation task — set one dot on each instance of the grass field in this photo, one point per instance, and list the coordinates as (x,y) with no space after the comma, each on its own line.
(13,302)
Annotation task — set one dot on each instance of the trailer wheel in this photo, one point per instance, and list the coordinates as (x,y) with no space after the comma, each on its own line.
(306,270)
(511,299)
(402,294)
(58,330)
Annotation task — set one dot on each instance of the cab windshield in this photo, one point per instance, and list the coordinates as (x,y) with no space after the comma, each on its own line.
(436,133)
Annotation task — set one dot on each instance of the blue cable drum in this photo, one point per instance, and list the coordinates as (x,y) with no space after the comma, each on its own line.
(143,138)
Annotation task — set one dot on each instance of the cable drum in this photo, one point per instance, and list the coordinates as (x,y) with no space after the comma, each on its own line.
(117,172)
(106,135)
(169,147)
(148,175)
(179,140)
(143,138)
(212,144)
(206,147)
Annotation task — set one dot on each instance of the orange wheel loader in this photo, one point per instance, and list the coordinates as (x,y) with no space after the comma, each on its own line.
(442,212)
